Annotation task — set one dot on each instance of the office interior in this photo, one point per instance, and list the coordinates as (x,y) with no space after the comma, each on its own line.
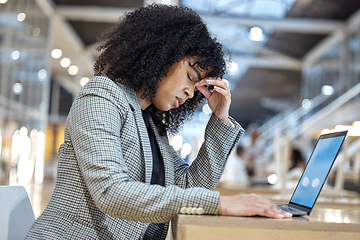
(293,71)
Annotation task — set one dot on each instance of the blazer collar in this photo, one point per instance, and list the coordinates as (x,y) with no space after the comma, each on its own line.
(131,97)
(143,134)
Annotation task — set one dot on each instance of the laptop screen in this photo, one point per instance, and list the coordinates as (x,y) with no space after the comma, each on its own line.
(317,169)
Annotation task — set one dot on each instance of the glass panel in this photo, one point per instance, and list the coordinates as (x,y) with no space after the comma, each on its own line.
(24,89)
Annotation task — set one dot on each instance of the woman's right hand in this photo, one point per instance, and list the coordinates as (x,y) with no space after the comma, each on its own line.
(249,205)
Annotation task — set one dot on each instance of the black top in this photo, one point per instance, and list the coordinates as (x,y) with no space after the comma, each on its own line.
(157,176)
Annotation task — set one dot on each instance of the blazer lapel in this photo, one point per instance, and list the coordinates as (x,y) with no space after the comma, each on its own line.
(168,167)
(143,134)
(145,144)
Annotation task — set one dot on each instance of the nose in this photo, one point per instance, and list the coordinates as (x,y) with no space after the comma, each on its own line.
(189,91)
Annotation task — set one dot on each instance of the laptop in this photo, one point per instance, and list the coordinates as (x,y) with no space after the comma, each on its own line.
(315,173)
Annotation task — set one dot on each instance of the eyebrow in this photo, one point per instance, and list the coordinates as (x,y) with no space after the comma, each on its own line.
(196,71)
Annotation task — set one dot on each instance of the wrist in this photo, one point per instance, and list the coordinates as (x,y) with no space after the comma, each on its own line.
(221,207)
(224,119)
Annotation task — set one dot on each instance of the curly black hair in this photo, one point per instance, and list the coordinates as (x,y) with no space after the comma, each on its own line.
(145,43)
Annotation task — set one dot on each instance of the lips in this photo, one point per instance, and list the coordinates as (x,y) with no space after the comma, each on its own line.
(179,101)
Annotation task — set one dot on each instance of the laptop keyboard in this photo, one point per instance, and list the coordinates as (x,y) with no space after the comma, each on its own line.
(287,208)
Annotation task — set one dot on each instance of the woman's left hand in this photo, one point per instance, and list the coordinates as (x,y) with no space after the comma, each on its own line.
(219,100)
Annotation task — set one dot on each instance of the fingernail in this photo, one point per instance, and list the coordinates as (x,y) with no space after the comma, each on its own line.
(280,215)
(288,214)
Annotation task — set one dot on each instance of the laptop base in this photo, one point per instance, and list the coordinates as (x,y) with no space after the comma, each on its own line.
(295,212)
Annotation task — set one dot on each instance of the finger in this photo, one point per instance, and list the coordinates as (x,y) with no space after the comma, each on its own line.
(204,91)
(277,213)
(223,92)
(215,82)
(270,210)
(287,215)
(282,215)
(271,213)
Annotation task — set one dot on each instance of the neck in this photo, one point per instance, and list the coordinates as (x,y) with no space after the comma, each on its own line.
(144,103)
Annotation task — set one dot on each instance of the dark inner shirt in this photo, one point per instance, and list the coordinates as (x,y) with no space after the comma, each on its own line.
(157,176)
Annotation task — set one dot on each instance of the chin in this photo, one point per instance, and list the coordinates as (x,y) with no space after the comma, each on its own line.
(172,107)
(165,109)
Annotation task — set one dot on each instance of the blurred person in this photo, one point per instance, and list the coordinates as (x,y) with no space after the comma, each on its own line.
(235,169)
(239,168)
(118,177)
(297,165)
(256,163)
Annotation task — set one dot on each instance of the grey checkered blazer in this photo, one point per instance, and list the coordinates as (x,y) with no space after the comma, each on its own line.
(103,186)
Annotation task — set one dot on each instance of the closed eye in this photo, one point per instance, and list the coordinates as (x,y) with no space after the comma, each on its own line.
(189,77)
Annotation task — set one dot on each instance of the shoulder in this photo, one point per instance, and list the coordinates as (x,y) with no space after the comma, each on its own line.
(103,87)
(101,98)
(118,94)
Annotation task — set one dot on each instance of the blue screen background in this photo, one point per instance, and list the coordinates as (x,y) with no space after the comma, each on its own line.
(316,171)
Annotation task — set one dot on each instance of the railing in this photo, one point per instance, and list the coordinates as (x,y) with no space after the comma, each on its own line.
(280,131)
(283,120)
(280,135)
(302,119)
(350,151)
(330,108)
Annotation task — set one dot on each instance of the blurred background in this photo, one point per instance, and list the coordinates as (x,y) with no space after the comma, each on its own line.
(293,71)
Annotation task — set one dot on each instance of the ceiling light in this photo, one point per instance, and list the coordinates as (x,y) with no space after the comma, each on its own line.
(15,55)
(42,74)
(327,90)
(176,142)
(73,70)
(233,67)
(21,17)
(306,103)
(84,81)
(56,53)
(17,88)
(3,1)
(206,109)
(65,62)
(256,34)
(272,179)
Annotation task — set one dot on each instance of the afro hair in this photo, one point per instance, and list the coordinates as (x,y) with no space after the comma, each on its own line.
(145,43)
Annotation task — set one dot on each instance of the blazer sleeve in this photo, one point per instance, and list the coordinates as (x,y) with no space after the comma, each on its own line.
(94,125)
(206,169)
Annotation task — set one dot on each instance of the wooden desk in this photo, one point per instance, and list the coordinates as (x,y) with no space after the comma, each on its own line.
(321,224)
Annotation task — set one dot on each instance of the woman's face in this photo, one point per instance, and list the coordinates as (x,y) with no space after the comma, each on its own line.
(178,85)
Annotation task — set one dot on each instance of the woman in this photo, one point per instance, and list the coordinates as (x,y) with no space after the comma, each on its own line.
(118,177)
